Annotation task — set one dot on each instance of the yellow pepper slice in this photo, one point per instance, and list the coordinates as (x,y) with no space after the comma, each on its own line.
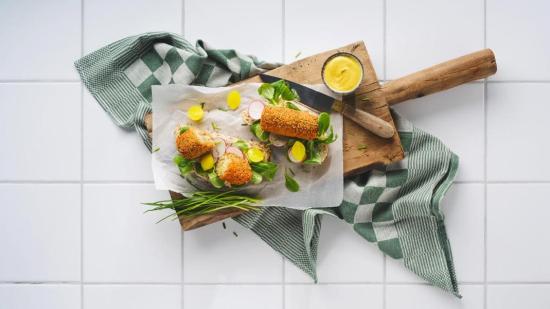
(297,152)
(255,154)
(233,99)
(207,162)
(195,113)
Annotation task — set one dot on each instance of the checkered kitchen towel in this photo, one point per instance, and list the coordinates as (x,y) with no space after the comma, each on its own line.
(397,207)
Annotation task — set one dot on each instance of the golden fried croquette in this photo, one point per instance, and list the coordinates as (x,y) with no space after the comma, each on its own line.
(233,169)
(289,122)
(193,143)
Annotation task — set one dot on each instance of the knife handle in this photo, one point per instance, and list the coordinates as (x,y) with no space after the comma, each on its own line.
(368,121)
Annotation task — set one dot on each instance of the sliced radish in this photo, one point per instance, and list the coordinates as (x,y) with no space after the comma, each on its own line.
(255,110)
(277,140)
(219,149)
(235,151)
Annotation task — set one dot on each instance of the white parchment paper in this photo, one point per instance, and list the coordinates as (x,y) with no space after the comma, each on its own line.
(320,186)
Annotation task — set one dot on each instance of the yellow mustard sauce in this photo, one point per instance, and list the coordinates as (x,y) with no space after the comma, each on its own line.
(343,73)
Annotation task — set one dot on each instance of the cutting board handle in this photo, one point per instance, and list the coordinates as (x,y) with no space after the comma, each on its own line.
(442,76)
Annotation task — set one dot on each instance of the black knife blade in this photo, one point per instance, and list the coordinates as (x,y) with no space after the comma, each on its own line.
(312,98)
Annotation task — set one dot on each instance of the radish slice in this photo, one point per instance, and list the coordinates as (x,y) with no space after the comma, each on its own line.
(255,110)
(219,149)
(277,140)
(235,151)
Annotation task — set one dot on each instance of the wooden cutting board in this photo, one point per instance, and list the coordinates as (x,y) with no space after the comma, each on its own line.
(362,149)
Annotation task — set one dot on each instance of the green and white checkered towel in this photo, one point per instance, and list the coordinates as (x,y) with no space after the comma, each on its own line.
(396,207)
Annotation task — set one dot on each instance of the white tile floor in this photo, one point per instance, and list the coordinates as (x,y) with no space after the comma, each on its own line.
(73,234)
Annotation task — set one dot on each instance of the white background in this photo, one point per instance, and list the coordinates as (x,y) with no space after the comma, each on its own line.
(72,233)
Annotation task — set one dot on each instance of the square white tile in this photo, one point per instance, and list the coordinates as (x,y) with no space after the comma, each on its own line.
(110,152)
(518,34)
(517,118)
(518,296)
(426,297)
(213,254)
(333,296)
(109,21)
(343,256)
(456,117)
(517,232)
(40,232)
(48,115)
(426,32)
(43,296)
(233,296)
(248,26)
(463,208)
(40,39)
(315,26)
(132,296)
(123,244)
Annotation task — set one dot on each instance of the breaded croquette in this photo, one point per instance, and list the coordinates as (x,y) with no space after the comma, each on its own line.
(233,169)
(193,143)
(289,122)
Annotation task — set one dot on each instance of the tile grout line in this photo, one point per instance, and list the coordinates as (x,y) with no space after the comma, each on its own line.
(384,39)
(81,162)
(283,30)
(397,283)
(485,164)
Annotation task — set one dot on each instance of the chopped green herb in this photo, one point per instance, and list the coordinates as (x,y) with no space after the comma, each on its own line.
(156,149)
(291,183)
(223,109)
(292,106)
(235,234)
(202,105)
(361,147)
(183,129)
(223,224)
(242,145)
(291,171)
(297,55)
(215,126)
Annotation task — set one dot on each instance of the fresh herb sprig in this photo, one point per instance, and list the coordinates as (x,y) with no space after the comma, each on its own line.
(291,184)
(204,202)
(278,93)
